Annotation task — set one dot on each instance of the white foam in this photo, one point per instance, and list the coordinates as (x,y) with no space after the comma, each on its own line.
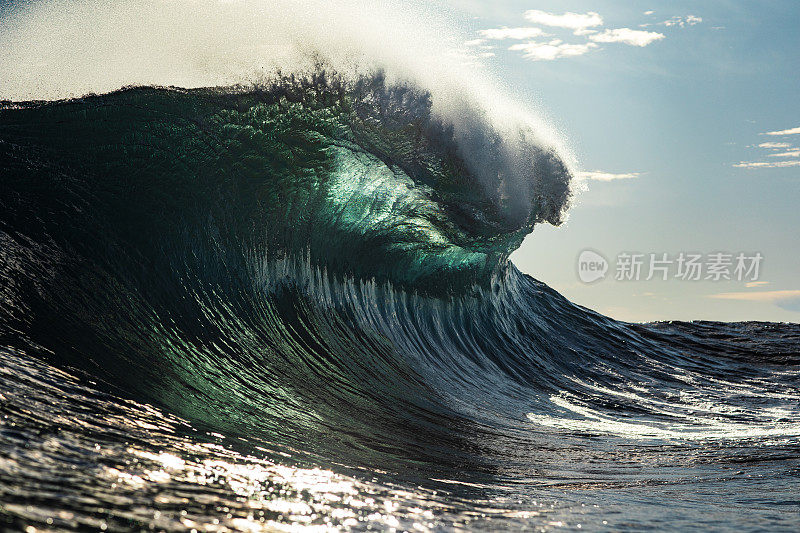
(684,428)
(68,48)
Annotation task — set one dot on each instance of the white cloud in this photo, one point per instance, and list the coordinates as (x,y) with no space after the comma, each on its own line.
(475,42)
(607,176)
(767,164)
(585,25)
(552,50)
(791,131)
(689,20)
(649,12)
(511,33)
(779,150)
(573,21)
(627,36)
(775,145)
(790,153)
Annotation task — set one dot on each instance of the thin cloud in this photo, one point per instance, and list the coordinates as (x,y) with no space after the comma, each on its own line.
(767,164)
(572,21)
(689,20)
(498,34)
(790,153)
(750,284)
(757,296)
(775,145)
(780,150)
(598,175)
(791,131)
(627,36)
(789,299)
(549,51)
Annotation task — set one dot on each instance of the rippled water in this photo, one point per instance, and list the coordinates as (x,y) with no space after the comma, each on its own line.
(75,457)
(282,309)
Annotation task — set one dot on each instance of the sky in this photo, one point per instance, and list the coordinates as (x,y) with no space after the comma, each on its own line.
(685,119)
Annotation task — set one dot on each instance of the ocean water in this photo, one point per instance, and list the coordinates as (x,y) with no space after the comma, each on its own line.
(290,307)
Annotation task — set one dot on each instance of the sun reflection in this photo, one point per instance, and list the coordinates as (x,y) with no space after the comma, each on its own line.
(253,494)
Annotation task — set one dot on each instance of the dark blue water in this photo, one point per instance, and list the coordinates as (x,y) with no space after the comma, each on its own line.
(291,308)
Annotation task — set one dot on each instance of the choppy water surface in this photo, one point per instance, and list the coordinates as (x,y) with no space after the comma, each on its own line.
(291,308)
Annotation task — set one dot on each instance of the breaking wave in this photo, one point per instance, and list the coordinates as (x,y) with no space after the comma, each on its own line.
(291,299)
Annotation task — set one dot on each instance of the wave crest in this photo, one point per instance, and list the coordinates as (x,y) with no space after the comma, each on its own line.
(361,174)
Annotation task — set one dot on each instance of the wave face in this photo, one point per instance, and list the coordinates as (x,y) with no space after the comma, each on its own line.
(291,305)
(360,176)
